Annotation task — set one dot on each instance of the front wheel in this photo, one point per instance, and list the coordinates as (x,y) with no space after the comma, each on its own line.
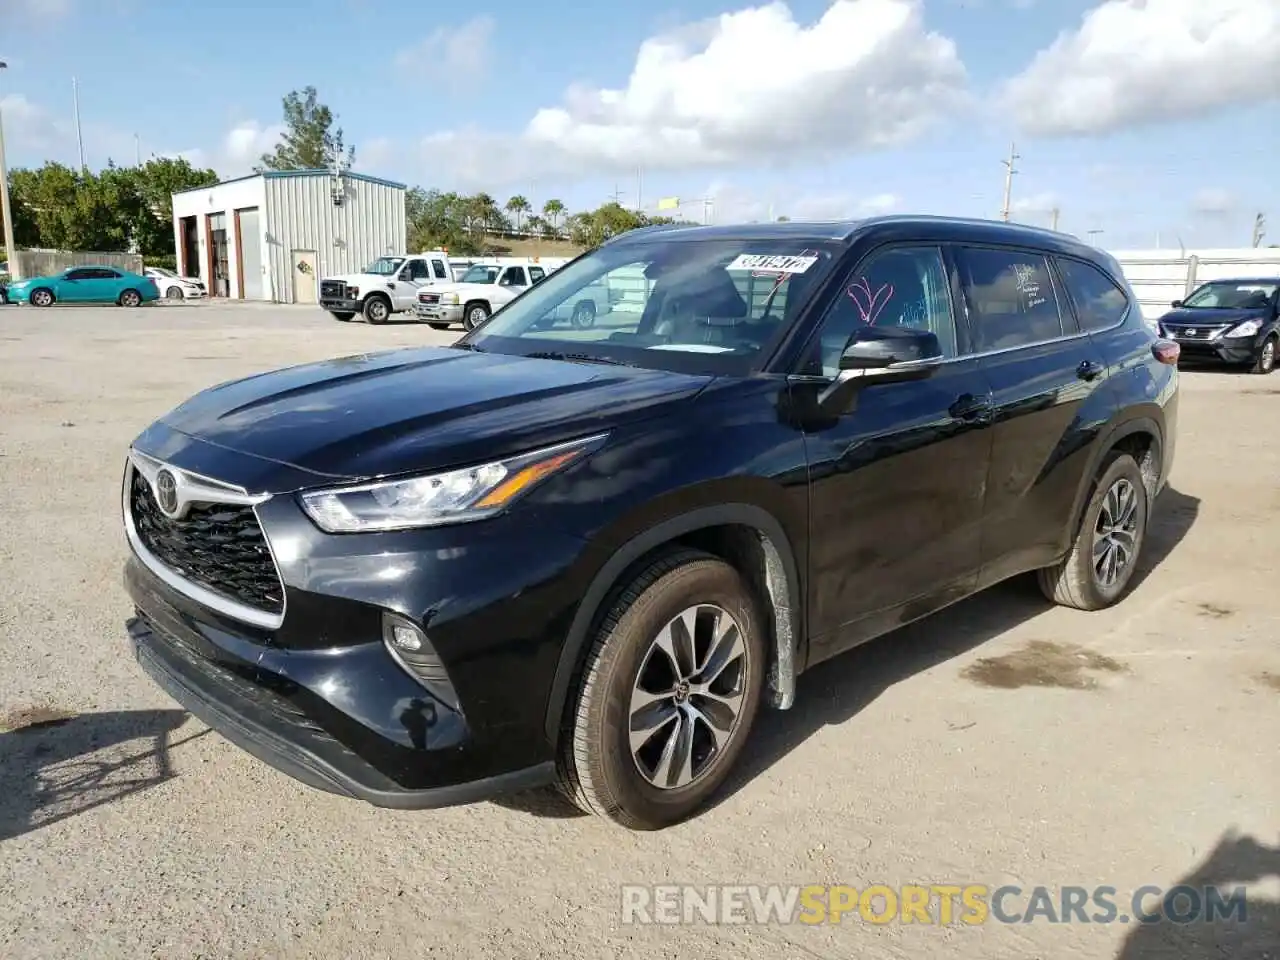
(1265,361)
(584,315)
(667,695)
(130,298)
(1102,561)
(376,310)
(174,293)
(474,315)
(41,297)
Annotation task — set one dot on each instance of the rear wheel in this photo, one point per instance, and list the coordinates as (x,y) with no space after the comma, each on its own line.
(130,298)
(377,309)
(173,293)
(1265,361)
(41,297)
(343,315)
(1098,570)
(667,695)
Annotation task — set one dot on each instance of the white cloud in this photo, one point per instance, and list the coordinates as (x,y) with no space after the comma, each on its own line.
(456,54)
(1213,202)
(31,130)
(734,204)
(374,155)
(243,145)
(880,203)
(1137,62)
(749,87)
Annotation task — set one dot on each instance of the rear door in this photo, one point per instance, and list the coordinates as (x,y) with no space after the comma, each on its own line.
(1045,377)
(897,478)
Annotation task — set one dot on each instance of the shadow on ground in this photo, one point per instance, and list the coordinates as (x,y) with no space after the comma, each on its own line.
(835,691)
(1235,861)
(57,765)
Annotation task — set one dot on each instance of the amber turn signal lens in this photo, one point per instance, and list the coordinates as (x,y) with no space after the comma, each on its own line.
(524,478)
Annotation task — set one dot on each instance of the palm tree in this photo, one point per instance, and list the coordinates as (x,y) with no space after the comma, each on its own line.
(537,226)
(553,209)
(519,206)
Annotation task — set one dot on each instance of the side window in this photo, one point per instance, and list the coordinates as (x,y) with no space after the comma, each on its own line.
(902,286)
(1011,296)
(513,277)
(1098,301)
(82,273)
(416,270)
(438,267)
(105,274)
(536,274)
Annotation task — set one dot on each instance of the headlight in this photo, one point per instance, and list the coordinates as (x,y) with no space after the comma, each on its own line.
(1249,328)
(456,496)
(450,298)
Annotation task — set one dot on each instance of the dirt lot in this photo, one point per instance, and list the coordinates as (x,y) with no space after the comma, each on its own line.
(1001,742)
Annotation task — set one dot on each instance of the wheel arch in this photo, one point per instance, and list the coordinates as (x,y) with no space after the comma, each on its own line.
(1140,435)
(746,536)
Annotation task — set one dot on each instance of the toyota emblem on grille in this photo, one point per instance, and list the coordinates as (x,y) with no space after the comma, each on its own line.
(167,493)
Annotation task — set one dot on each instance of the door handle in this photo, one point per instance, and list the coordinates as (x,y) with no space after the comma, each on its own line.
(1089,370)
(968,407)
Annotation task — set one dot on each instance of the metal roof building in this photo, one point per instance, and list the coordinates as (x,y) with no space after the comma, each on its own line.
(272,235)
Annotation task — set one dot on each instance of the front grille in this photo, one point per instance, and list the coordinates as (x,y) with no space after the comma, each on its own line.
(334,289)
(1194,333)
(429,298)
(218,546)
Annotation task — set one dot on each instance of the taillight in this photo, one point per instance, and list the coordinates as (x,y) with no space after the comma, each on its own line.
(1166,351)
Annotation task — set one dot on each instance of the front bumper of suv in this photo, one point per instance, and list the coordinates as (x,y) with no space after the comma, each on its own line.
(321,693)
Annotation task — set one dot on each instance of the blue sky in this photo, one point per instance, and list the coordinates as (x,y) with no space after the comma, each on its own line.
(1155,120)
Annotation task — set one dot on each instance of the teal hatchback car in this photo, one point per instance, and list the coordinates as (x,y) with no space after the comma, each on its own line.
(85,285)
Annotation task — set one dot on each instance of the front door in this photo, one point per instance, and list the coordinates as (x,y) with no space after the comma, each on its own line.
(898,478)
(305,284)
(412,277)
(76,286)
(1044,374)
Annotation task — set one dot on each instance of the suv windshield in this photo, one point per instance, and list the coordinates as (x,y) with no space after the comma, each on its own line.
(698,305)
(480,274)
(1232,295)
(384,266)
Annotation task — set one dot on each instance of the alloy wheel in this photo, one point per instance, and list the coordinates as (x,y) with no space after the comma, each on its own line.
(1115,535)
(688,696)
(1268,359)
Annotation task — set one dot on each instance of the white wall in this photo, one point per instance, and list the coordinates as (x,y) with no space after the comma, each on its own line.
(1159,277)
(225,198)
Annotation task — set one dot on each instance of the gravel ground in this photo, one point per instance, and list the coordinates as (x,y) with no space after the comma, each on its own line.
(1003,741)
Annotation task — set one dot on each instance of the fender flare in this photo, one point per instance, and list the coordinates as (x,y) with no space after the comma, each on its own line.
(1104,445)
(608,576)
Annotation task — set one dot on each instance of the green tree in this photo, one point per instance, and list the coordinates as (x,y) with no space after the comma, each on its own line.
(519,206)
(553,210)
(538,226)
(309,141)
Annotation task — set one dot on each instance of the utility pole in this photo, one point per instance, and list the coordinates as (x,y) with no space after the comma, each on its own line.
(1093,233)
(1008,179)
(1054,222)
(1259,229)
(10,251)
(75,101)
(137,148)
(639,182)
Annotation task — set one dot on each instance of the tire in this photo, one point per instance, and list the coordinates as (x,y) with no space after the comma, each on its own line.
(129,298)
(1077,581)
(174,293)
(376,310)
(584,315)
(437,325)
(41,297)
(474,314)
(343,315)
(1265,361)
(597,768)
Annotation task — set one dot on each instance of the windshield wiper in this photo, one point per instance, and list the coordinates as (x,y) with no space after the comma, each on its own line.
(578,357)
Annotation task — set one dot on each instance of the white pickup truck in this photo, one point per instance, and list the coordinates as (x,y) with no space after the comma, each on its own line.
(386,286)
(490,285)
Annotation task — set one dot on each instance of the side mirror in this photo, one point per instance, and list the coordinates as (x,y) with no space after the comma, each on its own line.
(884,355)
(1177,304)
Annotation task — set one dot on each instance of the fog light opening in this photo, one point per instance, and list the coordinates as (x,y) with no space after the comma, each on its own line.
(410,647)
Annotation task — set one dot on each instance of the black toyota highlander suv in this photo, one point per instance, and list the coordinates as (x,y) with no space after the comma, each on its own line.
(589,556)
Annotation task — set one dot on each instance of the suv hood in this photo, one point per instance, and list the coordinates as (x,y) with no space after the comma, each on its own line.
(414,410)
(463,289)
(1211,317)
(365,281)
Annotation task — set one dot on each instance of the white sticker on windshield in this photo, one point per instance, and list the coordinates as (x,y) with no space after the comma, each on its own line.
(767,263)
